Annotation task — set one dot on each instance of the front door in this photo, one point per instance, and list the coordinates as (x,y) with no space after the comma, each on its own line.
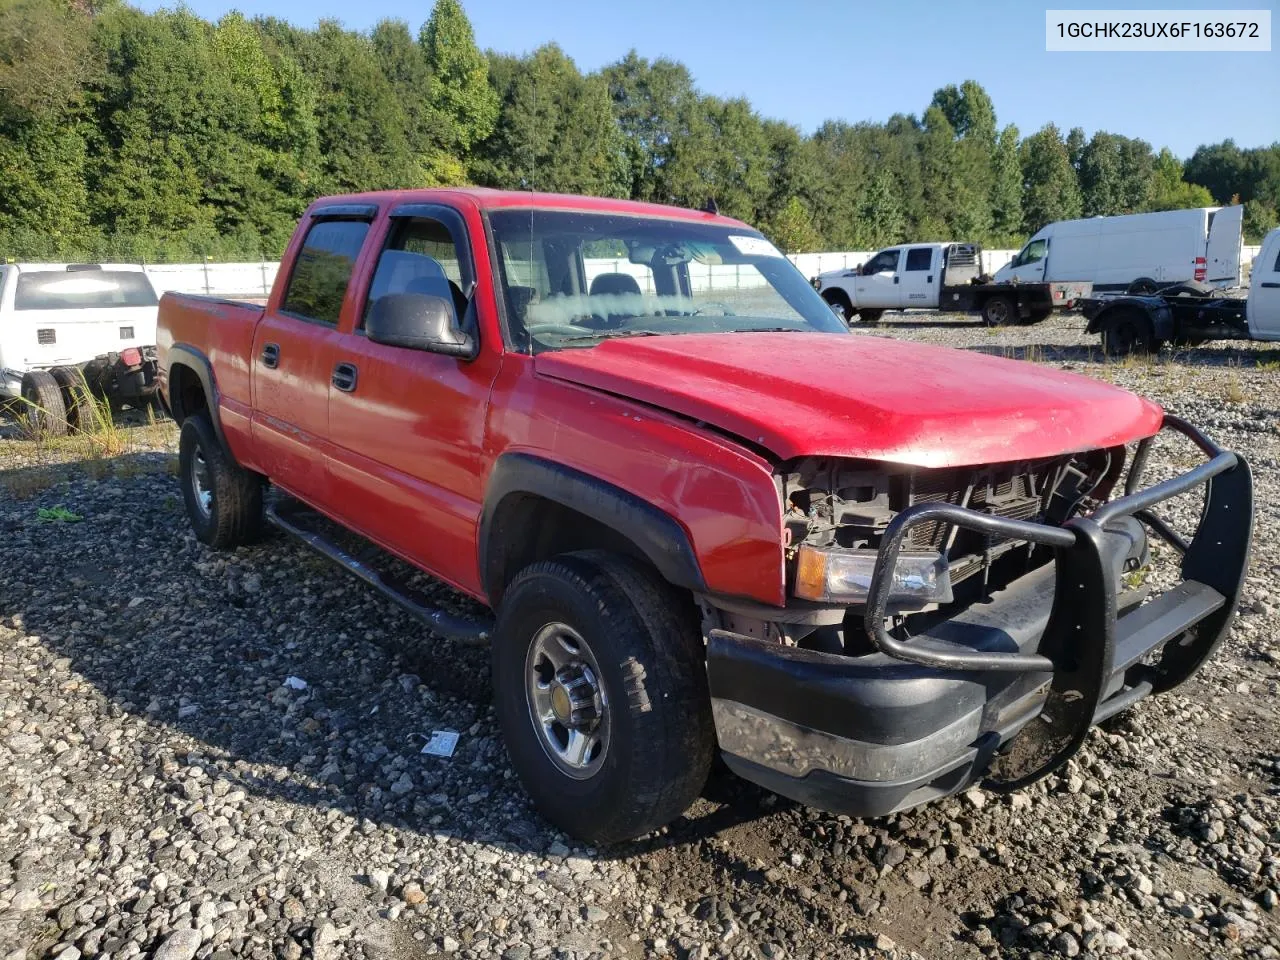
(876,285)
(1029,265)
(1264,292)
(919,271)
(292,349)
(406,427)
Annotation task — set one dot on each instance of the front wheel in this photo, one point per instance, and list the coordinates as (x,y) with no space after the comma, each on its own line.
(600,689)
(870,316)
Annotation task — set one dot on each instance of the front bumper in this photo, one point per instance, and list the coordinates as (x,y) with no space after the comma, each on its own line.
(1006,690)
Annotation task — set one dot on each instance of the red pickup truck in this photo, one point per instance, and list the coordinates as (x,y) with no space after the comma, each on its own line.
(706,515)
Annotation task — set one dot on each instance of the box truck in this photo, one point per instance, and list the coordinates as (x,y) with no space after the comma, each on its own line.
(1137,253)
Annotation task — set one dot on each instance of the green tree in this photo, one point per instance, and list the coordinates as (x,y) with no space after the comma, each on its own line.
(1006,190)
(555,131)
(1116,175)
(466,106)
(1050,189)
(1169,191)
(792,229)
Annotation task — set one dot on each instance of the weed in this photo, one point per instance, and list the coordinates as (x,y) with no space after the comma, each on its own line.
(58,514)
(1233,393)
(25,484)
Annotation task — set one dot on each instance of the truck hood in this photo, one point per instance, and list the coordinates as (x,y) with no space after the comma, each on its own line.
(814,394)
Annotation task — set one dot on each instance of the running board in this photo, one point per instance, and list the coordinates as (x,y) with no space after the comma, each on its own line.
(440,621)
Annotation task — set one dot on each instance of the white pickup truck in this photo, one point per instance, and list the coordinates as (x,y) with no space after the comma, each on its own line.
(70,328)
(940,276)
(1189,313)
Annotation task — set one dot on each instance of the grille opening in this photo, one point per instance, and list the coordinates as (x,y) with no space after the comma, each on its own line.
(126,333)
(46,335)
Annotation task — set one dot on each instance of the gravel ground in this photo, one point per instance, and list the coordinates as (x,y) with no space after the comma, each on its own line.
(164,792)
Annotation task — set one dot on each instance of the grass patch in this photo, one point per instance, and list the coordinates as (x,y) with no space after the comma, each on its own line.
(1233,392)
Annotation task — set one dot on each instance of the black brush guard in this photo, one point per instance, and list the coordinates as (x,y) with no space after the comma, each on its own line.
(1085,645)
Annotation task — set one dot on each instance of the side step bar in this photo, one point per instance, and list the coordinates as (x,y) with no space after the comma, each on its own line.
(473,632)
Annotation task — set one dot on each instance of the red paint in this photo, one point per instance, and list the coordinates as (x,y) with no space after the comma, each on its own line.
(405,458)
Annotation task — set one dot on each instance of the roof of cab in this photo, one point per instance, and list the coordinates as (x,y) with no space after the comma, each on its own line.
(486,198)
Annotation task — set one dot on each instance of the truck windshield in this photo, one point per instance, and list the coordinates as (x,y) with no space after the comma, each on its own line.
(573,279)
(63,290)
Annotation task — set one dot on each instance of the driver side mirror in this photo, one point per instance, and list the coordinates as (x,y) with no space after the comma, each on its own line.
(419,321)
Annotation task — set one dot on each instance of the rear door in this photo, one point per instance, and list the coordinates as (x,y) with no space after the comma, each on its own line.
(406,427)
(876,285)
(293,348)
(1264,291)
(1222,255)
(919,278)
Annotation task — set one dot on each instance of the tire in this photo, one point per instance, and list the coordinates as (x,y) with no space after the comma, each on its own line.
(998,311)
(838,298)
(46,412)
(83,411)
(1142,287)
(224,501)
(653,733)
(870,316)
(1127,333)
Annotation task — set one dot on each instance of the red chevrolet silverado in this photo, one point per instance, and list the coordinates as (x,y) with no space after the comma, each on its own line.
(704,514)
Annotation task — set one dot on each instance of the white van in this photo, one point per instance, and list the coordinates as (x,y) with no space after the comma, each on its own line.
(64,315)
(1138,253)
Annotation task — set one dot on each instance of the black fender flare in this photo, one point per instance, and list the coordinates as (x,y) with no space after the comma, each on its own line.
(657,534)
(184,354)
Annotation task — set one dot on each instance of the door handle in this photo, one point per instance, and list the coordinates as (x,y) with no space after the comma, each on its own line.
(344,377)
(929,278)
(271,355)
(895,278)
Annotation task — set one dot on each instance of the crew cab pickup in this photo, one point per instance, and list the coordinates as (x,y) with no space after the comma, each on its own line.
(940,276)
(1186,314)
(869,573)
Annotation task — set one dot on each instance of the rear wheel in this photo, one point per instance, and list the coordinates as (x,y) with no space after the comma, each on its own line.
(224,501)
(600,690)
(44,407)
(998,311)
(83,412)
(870,316)
(1127,333)
(1142,287)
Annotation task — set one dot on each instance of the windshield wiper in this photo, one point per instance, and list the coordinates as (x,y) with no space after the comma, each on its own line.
(766,330)
(612,335)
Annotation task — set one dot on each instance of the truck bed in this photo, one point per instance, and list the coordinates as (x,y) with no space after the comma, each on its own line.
(218,330)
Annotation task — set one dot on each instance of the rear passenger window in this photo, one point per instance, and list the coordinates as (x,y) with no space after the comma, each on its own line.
(323,270)
(919,259)
(421,256)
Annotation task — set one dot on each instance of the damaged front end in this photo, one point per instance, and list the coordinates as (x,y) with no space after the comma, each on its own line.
(959,624)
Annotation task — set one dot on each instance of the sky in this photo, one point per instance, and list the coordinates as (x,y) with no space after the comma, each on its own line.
(807,61)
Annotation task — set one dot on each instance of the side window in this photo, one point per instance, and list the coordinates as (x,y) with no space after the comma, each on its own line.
(1276,268)
(1033,251)
(919,258)
(421,256)
(323,270)
(886,261)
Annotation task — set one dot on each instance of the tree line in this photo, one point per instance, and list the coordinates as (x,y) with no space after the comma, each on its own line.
(133,136)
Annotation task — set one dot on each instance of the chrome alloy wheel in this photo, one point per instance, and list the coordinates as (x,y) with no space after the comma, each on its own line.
(567,700)
(202,483)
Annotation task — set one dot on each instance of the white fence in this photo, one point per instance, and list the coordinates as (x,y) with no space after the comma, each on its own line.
(239,279)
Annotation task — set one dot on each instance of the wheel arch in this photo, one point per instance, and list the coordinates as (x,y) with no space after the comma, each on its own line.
(191,388)
(536,508)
